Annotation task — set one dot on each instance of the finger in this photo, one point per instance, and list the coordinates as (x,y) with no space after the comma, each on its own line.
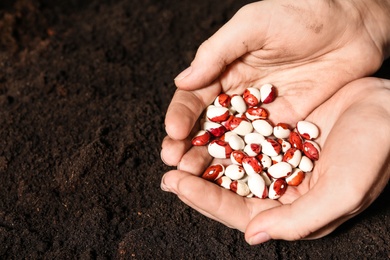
(306,215)
(204,196)
(172,150)
(195,160)
(168,178)
(237,37)
(213,201)
(185,109)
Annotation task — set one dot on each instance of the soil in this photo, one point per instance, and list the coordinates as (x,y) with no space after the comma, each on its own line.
(84,86)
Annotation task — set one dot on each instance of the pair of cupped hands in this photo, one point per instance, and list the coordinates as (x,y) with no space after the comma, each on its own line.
(318,55)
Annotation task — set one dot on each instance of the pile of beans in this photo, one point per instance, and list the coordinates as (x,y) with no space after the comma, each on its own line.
(264,158)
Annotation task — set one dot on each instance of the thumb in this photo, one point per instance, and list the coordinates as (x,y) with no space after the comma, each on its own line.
(313,215)
(242,34)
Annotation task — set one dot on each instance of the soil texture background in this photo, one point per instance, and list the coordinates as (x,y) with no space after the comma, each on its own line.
(84,86)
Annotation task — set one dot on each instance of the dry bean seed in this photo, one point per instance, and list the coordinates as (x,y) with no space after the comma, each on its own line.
(295,140)
(223,100)
(252,149)
(239,187)
(277,189)
(271,147)
(236,142)
(296,177)
(265,160)
(217,114)
(237,156)
(285,145)
(267,93)
(253,113)
(234,171)
(281,131)
(213,172)
(307,130)
(251,165)
(292,156)
(257,186)
(251,96)
(219,149)
(201,138)
(224,181)
(306,164)
(253,138)
(215,129)
(311,150)
(238,103)
(280,170)
(263,127)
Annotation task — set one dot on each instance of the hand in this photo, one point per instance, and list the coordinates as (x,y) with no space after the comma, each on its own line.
(307,50)
(354,167)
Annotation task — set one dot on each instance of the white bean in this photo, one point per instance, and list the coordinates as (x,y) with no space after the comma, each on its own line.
(280,170)
(263,127)
(305,164)
(234,171)
(257,186)
(307,130)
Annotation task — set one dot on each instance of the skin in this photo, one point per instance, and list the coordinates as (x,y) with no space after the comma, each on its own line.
(318,54)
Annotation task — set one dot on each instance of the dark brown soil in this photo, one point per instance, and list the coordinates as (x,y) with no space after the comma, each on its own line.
(84,86)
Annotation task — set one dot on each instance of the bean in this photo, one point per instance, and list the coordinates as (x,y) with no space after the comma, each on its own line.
(311,150)
(296,177)
(268,93)
(305,164)
(251,165)
(307,130)
(263,127)
(292,156)
(213,172)
(280,170)
(281,131)
(223,100)
(238,103)
(217,114)
(277,188)
(234,171)
(213,128)
(219,149)
(202,137)
(236,142)
(237,156)
(253,113)
(240,187)
(271,147)
(252,149)
(224,181)
(251,96)
(253,138)
(257,186)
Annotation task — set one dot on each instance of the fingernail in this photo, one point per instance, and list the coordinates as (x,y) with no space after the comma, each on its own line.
(259,238)
(184,74)
(163,186)
(162,159)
